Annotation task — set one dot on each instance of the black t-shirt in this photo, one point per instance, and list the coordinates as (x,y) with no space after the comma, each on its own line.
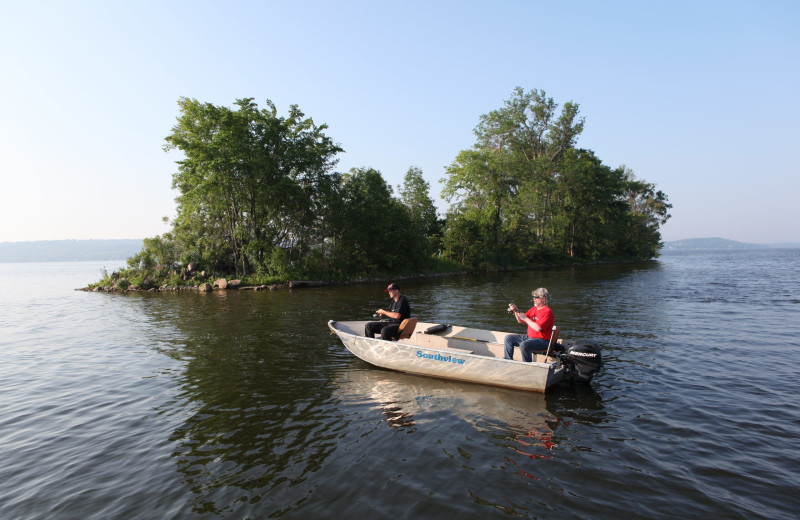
(401,306)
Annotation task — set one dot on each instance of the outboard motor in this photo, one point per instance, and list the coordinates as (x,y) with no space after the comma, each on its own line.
(582,360)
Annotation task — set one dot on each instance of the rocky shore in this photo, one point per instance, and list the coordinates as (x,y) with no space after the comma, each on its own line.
(121,285)
(218,284)
(193,280)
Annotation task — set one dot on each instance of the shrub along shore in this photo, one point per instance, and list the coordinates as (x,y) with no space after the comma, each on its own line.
(201,282)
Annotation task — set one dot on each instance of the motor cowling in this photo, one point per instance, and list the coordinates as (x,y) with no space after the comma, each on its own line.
(582,359)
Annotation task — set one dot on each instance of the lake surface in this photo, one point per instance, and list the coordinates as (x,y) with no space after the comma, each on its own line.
(241,404)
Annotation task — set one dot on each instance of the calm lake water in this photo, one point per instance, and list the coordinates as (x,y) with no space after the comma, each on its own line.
(240,404)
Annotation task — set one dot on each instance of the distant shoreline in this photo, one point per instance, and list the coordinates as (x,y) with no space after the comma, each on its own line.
(100,250)
(119,250)
(709,244)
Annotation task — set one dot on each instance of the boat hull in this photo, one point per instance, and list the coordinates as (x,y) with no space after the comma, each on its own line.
(448,359)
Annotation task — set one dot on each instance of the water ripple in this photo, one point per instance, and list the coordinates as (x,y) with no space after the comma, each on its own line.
(241,404)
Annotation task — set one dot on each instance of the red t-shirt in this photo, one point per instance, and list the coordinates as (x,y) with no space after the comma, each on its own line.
(544,318)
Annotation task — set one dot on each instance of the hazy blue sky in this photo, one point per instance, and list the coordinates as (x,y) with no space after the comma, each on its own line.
(700,98)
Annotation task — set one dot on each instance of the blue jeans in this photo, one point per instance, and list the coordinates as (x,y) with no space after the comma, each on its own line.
(526,345)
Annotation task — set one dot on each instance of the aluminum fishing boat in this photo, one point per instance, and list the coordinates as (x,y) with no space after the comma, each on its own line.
(468,354)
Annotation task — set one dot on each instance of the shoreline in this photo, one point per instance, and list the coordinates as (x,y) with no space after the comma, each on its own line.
(225,284)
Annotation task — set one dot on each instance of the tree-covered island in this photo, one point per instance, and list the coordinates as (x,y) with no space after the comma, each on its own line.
(259,200)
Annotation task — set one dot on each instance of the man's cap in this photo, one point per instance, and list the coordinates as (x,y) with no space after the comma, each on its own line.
(392,287)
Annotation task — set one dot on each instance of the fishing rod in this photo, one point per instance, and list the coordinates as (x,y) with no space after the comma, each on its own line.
(512,307)
(376,316)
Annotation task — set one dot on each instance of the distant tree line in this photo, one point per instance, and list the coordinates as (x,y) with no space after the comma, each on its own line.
(258,197)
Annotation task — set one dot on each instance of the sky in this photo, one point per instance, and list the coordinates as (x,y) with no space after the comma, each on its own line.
(697,97)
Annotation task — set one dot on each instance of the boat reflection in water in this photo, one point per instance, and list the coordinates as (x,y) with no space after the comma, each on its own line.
(409,401)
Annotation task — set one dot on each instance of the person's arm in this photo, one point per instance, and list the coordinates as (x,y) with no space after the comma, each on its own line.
(523,318)
(519,316)
(390,314)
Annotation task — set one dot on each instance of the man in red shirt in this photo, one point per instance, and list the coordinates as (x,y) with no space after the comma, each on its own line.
(539,320)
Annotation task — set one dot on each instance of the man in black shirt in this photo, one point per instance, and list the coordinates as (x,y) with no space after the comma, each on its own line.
(398,311)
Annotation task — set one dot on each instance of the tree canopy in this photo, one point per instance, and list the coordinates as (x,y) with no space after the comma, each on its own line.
(258,197)
(248,183)
(524,192)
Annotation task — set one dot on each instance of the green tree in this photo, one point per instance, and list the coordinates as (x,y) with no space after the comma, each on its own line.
(525,192)
(648,210)
(588,206)
(480,185)
(373,234)
(536,138)
(464,240)
(507,181)
(246,182)
(415,195)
